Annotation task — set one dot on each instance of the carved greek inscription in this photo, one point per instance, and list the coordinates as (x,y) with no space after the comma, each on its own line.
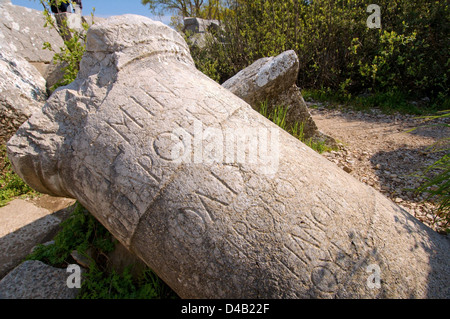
(260,219)
(143,106)
(152,95)
(321,216)
(132,118)
(209,213)
(192,222)
(285,188)
(224,183)
(146,163)
(115,128)
(166,144)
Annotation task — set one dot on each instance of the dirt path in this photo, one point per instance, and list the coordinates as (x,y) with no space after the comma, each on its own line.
(378,151)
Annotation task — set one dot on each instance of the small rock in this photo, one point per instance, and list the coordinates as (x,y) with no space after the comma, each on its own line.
(35,280)
(347,169)
(84,260)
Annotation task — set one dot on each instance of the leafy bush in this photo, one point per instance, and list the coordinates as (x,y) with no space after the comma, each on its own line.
(80,232)
(69,56)
(409,55)
(101,285)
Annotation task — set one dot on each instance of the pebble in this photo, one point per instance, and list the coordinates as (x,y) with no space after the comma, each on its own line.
(347,169)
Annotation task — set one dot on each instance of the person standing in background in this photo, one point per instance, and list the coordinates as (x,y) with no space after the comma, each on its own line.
(58,6)
(77,7)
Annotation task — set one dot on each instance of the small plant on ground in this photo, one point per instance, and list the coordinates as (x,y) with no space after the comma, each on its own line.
(278,116)
(103,285)
(83,233)
(80,232)
(11,185)
(69,56)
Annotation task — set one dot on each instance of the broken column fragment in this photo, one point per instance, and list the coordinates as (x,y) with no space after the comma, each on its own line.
(137,139)
(272,81)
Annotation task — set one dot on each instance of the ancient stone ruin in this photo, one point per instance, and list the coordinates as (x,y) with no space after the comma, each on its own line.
(22,91)
(200,31)
(136,138)
(272,80)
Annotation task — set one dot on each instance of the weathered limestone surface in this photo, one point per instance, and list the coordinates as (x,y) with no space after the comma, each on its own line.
(272,80)
(24,29)
(36,280)
(22,91)
(289,225)
(25,224)
(200,31)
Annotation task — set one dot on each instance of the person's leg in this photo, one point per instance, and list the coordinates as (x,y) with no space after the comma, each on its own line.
(64,7)
(76,8)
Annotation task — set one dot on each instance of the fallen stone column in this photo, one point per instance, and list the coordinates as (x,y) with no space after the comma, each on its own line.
(215,198)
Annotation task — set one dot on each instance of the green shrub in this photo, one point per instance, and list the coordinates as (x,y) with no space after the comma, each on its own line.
(102,285)
(336,49)
(69,56)
(82,232)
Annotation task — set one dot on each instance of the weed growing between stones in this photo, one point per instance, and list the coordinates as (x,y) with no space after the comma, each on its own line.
(102,285)
(69,56)
(83,233)
(278,116)
(11,185)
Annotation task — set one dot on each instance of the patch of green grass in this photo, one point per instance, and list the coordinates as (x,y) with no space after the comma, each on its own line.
(82,232)
(11,185)
(328,96)
(103,285)
(387,102)
(278,116)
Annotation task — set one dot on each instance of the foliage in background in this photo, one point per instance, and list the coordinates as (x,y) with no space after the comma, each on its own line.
(69,56)
(387,102)
(409,55)
(11,185)
(207,9)
(83,233)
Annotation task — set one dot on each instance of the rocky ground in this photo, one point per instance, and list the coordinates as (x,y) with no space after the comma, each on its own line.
(378,150)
